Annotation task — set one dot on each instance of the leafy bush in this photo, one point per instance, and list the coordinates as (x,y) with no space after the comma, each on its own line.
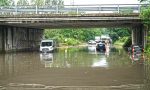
(128,42)
(125,41)
(147,48)
(145,15)
(72,41)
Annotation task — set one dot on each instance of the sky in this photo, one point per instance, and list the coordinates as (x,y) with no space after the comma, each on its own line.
(68,2)
(77,2)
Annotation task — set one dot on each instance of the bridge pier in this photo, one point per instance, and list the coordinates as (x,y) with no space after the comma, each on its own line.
(139,34)
(19,38)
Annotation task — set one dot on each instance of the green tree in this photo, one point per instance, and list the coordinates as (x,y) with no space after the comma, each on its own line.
(73,36)
(60,3)
(11,2)
(37,2)
(4,2)
(145,15)
(145,1)
(48,2)
(117,34)
(85,34)
(23,2)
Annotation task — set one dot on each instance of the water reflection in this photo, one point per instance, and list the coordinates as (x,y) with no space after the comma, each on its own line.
(46,59)
(100,63)
(77,64)
(137,58)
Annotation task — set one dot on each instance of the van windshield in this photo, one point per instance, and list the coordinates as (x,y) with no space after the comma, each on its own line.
(46,44)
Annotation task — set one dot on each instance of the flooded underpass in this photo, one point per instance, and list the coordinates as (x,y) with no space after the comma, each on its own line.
(74,69)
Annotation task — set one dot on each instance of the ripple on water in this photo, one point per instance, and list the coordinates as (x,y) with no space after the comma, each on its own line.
(19,86)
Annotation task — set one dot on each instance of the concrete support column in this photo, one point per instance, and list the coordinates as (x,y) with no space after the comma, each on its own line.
(35,37)
(1,33)
(133,36)
(19,38)
(145,40)
(3,39)
(138,35)
(8,38)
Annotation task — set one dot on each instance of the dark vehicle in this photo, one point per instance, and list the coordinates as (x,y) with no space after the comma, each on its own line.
(135,49)
(100,46)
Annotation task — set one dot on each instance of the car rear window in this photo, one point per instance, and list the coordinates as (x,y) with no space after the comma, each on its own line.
(137,48)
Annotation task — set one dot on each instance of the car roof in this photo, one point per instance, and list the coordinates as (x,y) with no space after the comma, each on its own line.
(47,41)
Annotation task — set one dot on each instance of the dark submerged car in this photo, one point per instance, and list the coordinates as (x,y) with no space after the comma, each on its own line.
(101,46)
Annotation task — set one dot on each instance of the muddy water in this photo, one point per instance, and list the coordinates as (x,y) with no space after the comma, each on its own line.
(74,69)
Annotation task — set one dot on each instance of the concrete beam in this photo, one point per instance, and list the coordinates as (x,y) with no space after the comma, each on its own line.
(70,21)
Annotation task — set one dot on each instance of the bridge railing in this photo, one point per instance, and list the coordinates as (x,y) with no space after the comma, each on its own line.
(73,9)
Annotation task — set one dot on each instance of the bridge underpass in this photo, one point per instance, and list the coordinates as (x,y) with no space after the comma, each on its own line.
(26,33)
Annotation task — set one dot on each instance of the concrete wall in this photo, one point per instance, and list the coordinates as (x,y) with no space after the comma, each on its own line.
(0,38)
(17,38)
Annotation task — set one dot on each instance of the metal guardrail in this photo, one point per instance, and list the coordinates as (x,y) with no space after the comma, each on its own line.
(73,9)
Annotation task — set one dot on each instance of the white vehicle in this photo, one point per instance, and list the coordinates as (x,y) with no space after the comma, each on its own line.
(47,46)
(97,39)
(92,45)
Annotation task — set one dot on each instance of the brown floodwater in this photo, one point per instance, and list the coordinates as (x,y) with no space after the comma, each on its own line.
(74,69)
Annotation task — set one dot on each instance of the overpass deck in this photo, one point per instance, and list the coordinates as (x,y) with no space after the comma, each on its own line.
(70,21)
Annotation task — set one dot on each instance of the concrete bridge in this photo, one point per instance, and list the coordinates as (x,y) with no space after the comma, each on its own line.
(21,27)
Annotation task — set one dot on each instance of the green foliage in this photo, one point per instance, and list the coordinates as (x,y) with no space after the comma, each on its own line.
(60,3)
(72,36)
(147,49)
(120,36)
(6,2)
(75,36)
(23,2)
(124,41)
(48,2)
(145,15)
(145,1)
(3,2)
(128,42)
(11,2)
(116,33)
(72,41)
(37,2)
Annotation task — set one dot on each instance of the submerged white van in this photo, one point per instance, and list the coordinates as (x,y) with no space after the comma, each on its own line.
(47,46)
